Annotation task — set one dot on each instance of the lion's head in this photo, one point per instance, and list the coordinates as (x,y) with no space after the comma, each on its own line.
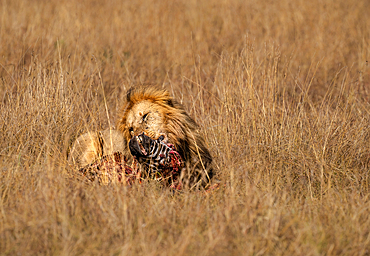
(153,111)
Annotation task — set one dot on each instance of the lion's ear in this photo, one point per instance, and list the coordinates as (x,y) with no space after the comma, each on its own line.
(128,95)
(170,103)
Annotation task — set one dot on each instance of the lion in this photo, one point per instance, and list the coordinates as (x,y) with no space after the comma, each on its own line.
(153,112)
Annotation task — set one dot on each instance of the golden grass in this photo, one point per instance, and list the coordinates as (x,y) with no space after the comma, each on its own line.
(280,89)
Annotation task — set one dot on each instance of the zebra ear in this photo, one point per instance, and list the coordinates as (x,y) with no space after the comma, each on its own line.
(160,138)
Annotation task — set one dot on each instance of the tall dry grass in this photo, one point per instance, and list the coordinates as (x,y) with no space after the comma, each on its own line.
(280,89)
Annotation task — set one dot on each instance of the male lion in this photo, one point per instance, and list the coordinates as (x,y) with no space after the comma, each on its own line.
(154,112)
(150,112)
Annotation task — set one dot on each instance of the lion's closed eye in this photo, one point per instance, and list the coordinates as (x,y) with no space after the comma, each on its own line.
(145,117)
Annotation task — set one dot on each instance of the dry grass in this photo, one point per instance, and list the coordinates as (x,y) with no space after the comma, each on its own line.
(280,89)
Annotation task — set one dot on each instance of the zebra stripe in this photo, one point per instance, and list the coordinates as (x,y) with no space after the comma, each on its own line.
(154,155)
(158,154)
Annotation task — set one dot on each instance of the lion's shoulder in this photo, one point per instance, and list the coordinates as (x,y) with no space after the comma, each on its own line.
(91,146)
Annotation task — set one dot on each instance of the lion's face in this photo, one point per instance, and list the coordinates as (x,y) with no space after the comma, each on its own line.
(145,117)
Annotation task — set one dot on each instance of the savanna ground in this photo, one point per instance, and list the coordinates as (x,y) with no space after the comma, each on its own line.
(280,89)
